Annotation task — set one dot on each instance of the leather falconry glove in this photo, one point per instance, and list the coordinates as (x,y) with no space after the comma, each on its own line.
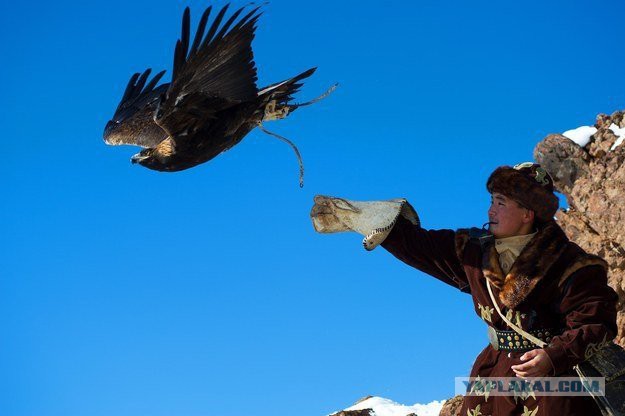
(372,219)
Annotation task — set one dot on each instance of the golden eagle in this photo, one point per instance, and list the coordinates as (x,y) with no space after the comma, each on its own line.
(211,103)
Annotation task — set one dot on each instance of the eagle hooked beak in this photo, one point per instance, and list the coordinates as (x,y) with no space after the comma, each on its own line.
(138,158)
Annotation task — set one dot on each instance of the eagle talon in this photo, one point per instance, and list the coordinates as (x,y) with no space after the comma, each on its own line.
(274,113)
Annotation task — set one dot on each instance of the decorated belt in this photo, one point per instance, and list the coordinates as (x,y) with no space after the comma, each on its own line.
(512,341)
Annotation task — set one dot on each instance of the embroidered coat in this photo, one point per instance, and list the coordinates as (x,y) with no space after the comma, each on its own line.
(553,283)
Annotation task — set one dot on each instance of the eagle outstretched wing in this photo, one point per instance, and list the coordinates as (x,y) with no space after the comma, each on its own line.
(133,121)
(215,73)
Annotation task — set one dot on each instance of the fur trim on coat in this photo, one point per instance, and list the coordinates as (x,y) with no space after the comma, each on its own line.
(530,267)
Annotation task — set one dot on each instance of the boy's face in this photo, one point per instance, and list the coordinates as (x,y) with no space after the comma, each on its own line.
(508,218)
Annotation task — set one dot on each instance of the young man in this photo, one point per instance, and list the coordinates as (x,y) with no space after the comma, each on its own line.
(542,282)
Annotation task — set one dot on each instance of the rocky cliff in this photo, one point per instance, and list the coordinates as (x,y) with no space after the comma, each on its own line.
(589,172)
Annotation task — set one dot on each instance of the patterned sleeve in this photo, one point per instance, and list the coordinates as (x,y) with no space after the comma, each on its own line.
(589,309)
(431,251)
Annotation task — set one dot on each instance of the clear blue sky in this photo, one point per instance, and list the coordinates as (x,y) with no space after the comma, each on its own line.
(125,291)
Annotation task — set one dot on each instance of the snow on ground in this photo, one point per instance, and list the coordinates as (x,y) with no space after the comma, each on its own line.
(386,407)
(620,133)
(580,135)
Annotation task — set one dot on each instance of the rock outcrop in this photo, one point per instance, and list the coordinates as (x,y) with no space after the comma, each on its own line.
(592,177)
(452,406)
(362,412)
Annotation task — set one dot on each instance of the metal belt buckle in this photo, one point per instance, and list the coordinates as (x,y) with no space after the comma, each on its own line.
(492,337)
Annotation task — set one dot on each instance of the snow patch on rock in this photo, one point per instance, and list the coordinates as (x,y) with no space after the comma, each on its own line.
(580,135)
(583,134)
(386,407)
(618,132)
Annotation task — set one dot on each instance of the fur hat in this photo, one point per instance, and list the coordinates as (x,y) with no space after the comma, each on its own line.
(528,184)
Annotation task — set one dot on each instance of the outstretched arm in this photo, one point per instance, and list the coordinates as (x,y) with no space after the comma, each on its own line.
(431,251)
(395,225)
